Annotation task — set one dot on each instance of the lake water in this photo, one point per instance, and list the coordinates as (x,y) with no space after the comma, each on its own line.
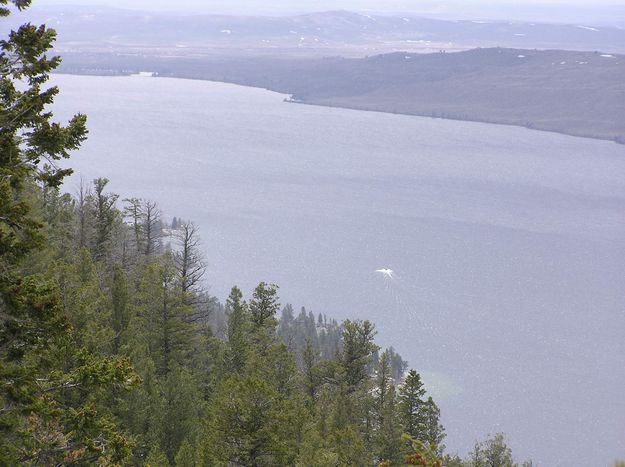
(508,244)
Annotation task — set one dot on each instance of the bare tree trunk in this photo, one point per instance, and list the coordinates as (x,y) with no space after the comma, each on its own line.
(151,227)
(189,259)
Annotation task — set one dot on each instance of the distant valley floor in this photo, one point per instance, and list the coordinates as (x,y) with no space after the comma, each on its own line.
(575,93)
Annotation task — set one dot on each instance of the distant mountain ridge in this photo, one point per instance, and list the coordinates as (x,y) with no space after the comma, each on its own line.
(106,27)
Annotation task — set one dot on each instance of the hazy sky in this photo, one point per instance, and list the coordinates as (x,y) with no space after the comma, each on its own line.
(416,5)
(535,10)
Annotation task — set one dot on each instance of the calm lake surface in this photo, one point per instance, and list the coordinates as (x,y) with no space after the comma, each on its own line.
(508,244)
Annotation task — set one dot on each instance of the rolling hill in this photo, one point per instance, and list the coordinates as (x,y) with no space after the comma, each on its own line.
(576,93)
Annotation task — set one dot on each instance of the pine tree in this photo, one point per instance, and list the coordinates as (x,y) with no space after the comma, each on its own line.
(311,378)
(59,218)
(238,330)
(185,456)
(182,409)
(476,456)
(398,365)
(156,458)
(120,305)
(251,424)
(383,380)
(286,327)
(50,388)
(343,400)
(412,406)
(358,347)
(434,431)
(262,311)
(105,216)
(85,227)
(86,304)
(133,214)
(494,452)
(162,315)
(387,429)
(256,415)
(143,410)
(264,306)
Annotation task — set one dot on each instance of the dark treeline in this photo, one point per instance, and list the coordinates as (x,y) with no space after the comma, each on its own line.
(204,383)
(113,353)
(201,383)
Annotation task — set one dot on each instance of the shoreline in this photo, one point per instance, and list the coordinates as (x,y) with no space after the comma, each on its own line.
(290,99)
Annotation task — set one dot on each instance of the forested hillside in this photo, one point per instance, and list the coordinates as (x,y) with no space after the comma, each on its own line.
(123,289)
